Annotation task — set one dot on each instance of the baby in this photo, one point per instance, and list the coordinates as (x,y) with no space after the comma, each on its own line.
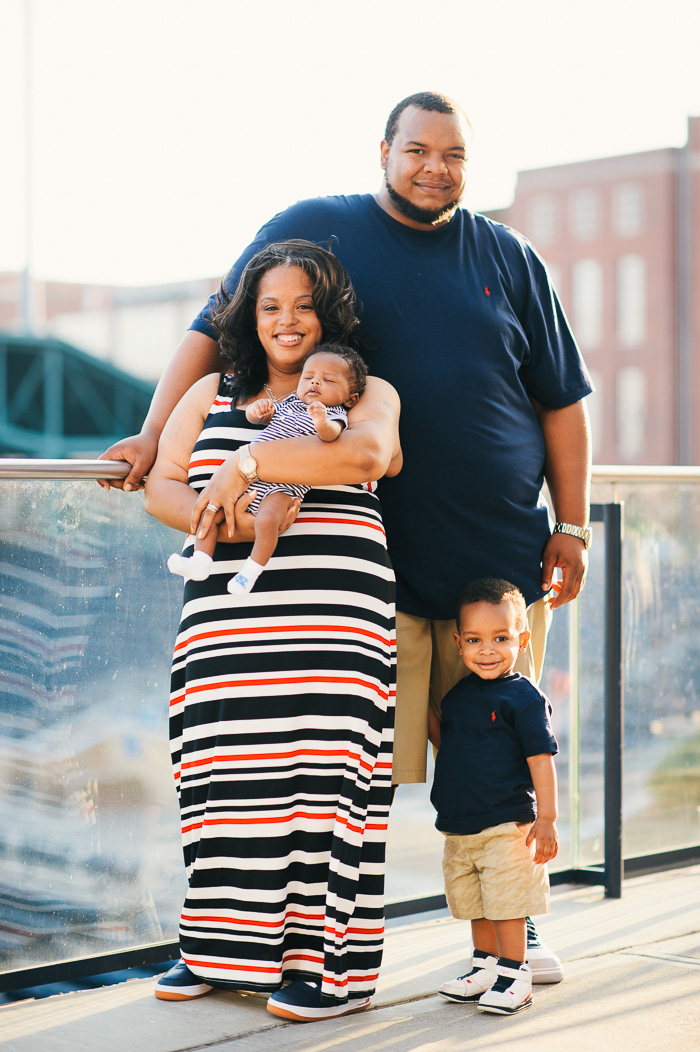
(331,382)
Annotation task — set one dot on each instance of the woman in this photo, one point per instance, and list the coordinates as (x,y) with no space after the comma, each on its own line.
(281,709)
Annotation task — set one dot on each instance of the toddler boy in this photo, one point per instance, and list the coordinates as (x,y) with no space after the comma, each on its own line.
(495,793)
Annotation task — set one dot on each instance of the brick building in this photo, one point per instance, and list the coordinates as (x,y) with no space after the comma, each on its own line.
(621,236)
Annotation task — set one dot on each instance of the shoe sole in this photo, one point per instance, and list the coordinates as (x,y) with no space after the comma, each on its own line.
(527,1003)
(546,975)
(461,1000)
(179,995)
(312,1015)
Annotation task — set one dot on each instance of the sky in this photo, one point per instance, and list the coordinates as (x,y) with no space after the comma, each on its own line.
(163,133)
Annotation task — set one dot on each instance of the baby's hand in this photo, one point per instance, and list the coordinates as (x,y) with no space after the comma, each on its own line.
(317,412)
(260,412)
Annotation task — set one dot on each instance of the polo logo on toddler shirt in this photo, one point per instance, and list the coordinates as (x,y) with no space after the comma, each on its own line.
(493,716)
(487,290)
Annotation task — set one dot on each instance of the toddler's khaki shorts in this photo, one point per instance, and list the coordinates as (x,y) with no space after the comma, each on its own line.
(492,874)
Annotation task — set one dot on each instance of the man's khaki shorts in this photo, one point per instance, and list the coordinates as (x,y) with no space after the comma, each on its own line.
(492,874)
(428,665)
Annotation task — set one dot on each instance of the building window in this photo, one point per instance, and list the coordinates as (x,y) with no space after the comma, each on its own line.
(585,214)
(587,302)
(631,412)
(594,404)
(628,210)
(631,299)
(542,219)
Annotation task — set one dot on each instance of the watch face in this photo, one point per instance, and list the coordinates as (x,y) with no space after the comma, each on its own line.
(248,466)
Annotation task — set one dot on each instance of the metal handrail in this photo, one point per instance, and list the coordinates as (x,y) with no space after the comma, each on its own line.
(31,468)
(644,473)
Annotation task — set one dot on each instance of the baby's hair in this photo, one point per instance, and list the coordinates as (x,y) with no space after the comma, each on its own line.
(357,369)
(493,590)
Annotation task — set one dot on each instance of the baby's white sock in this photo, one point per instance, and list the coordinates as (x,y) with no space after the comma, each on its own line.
(246,577)
(196,568)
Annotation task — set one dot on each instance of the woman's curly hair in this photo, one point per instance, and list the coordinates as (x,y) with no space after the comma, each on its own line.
(234,316)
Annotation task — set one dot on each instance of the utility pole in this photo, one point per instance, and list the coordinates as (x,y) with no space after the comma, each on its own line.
(27,305)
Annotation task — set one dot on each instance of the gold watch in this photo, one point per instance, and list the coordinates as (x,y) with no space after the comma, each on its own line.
(584,533)
(248,465)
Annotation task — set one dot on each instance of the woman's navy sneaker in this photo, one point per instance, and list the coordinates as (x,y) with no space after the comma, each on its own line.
(179,984)
(301,1001)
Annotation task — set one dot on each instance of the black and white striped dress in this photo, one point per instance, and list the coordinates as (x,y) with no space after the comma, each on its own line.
(281,731)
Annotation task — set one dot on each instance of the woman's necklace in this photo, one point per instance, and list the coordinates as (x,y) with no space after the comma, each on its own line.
(272,394)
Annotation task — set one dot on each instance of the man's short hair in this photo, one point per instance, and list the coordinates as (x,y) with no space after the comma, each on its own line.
(493,590)
(431,101)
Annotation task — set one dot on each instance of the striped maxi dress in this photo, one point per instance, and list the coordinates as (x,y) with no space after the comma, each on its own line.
(281,731)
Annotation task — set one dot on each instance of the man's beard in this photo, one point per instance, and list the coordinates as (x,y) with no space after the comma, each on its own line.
(431,216)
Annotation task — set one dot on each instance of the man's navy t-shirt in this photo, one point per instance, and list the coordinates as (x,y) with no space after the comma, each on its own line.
(463,321)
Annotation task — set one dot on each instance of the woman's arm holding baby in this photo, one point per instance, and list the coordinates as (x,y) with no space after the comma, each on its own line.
(366,450)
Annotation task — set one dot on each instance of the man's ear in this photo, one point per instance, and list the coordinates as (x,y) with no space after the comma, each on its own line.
(524,640)
(384,148)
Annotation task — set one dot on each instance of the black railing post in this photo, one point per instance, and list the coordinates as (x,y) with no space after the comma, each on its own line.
(614,724)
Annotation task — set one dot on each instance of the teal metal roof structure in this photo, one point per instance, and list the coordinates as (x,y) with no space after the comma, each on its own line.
(57,401)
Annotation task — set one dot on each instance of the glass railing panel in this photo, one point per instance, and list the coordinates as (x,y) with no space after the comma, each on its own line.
(661,664)
(588,807)
(89,844)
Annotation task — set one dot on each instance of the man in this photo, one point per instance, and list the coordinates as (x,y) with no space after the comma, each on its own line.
(460,317)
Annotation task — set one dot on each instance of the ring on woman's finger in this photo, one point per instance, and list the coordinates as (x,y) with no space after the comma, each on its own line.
(212,507)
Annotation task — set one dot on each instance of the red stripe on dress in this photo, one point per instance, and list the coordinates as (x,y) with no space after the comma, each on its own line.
(258,756)
(279,819)
(322,817)
(205,463)
(342,522)
(264,630)
(315,957)
(192,961)
(278,682)
(243,920)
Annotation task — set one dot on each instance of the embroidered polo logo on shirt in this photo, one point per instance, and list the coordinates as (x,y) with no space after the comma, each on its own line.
(493,716)
(487,290)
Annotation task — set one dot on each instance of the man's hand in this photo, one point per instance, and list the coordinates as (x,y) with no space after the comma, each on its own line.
(139,451)
(546,839)
(566,553)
